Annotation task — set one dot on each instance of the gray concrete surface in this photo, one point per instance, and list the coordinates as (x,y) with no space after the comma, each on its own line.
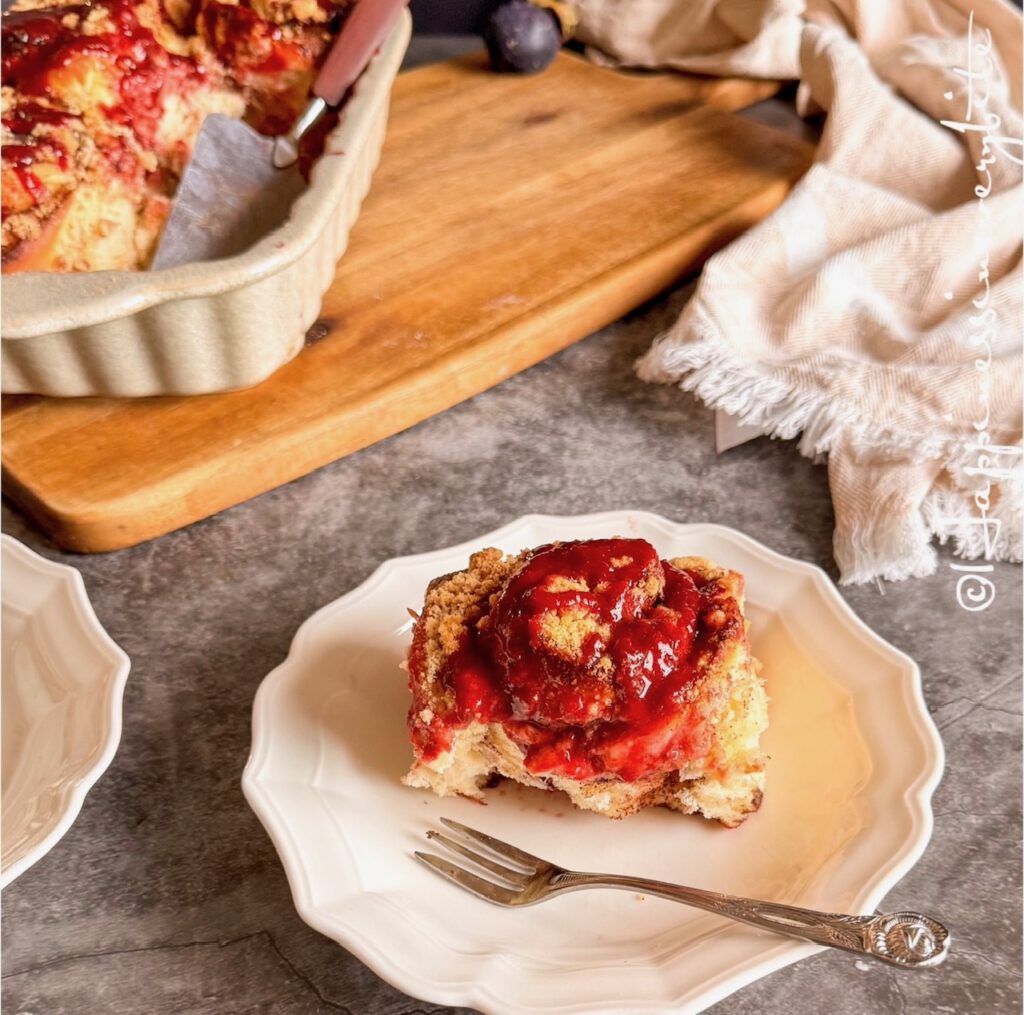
(167,896)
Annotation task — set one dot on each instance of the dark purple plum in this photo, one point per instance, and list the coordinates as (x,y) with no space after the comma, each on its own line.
(522,38)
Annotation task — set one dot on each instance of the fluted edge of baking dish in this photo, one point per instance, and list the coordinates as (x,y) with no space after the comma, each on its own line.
(212,326)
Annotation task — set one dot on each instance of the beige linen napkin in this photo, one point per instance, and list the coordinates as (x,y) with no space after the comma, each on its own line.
(877,312)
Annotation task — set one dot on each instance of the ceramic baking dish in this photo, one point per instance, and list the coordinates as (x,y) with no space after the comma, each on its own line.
(203,327)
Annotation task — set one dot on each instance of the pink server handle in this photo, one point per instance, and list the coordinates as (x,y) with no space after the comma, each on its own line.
(360,37)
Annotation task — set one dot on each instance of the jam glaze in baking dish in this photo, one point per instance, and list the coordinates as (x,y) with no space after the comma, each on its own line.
(102,103)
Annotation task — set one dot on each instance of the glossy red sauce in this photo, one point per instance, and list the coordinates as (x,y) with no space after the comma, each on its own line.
(246,43)
(23,156)
(47,56)
(20,121)
(32,184)
(39,45)
(578,717)
(25,115)
(29,33)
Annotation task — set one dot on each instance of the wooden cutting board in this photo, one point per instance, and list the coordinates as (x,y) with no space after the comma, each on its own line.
(510,217)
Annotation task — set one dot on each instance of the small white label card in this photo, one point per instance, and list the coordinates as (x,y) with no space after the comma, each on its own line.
(730,433)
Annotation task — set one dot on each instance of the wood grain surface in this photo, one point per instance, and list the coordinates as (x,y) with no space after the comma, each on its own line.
(510,217)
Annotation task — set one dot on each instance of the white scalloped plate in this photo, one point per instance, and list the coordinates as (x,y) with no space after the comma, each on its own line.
(62,682)
(854,760)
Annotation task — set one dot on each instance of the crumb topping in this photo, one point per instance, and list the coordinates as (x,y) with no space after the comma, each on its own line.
(103,103)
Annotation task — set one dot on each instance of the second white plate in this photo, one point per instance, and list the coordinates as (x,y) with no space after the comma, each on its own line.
(63,679)
(854,760)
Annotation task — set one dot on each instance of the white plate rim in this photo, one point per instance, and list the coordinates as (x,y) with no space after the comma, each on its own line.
(472,992)
(77,784)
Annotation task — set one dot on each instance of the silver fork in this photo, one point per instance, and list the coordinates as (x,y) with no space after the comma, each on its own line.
(906,939)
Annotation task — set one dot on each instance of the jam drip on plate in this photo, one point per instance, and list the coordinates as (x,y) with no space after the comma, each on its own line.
(588,658)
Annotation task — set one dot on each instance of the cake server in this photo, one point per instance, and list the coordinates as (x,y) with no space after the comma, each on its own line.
(239,184)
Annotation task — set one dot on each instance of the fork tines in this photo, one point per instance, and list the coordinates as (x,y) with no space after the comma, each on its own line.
(514,882)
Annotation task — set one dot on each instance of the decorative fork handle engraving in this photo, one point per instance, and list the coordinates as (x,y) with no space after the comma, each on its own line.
(906,939)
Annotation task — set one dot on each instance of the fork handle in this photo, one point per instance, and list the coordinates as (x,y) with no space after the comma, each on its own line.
(906,939)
